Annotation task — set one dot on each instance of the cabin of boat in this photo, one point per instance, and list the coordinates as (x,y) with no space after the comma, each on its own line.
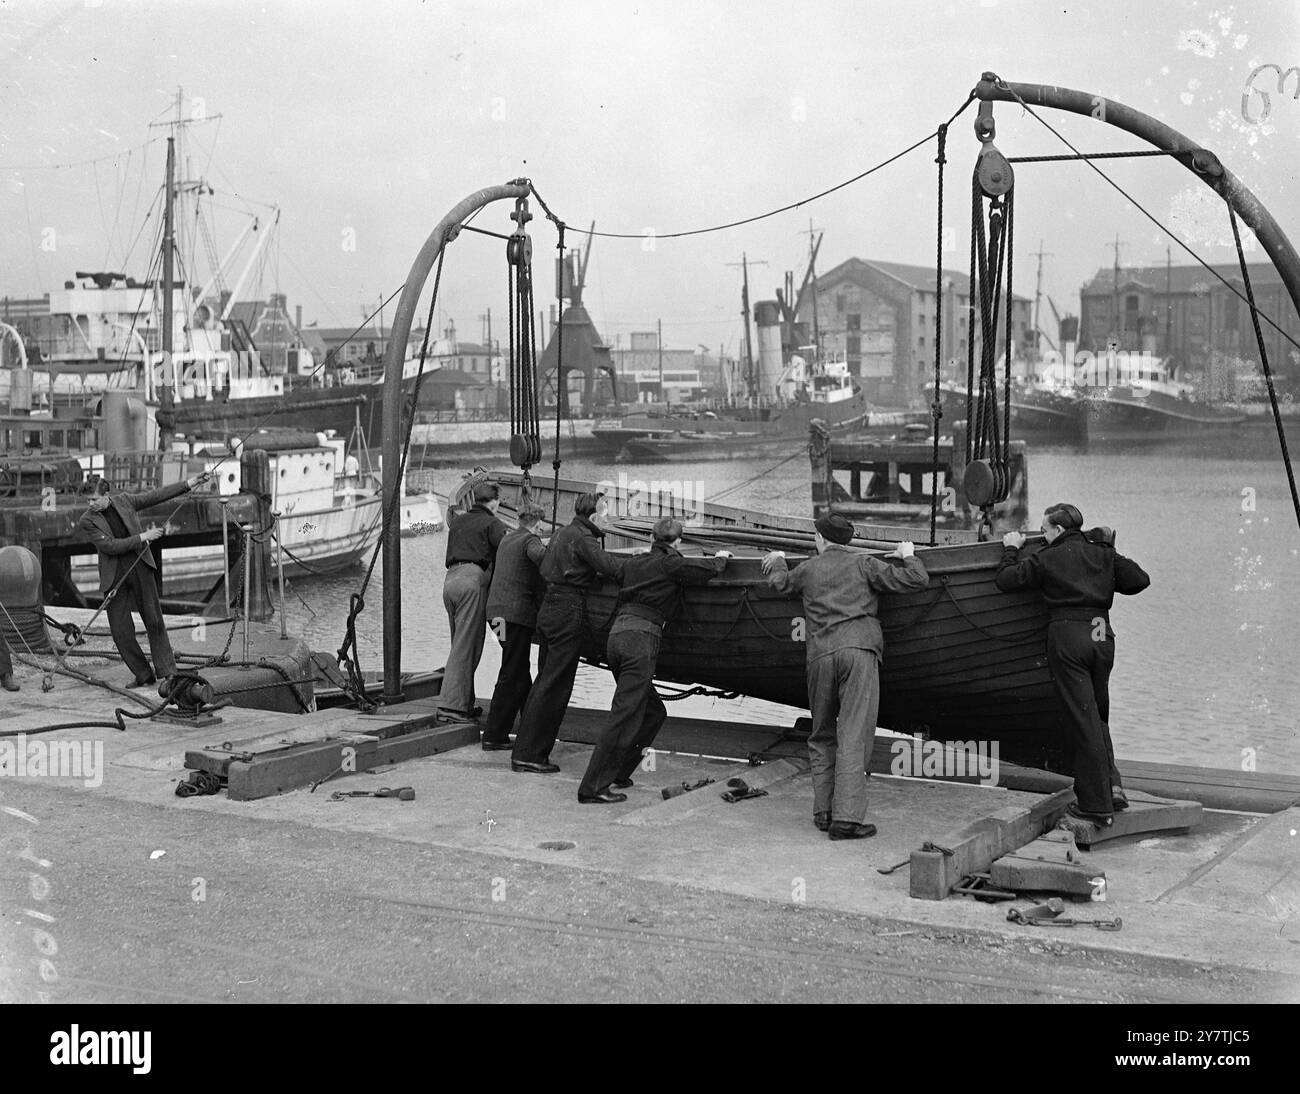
(894,481)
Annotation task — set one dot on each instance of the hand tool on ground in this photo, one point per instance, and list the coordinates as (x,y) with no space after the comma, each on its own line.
(896,866)
(740,790)
(402,793)
(1049,915)
(684,788)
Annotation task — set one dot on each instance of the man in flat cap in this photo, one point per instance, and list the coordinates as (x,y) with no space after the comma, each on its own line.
(840,588)
(574,562)
(472,541)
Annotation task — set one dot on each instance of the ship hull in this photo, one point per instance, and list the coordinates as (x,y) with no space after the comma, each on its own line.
(1042,416)
(316,409)
(1132,415)
(677,439)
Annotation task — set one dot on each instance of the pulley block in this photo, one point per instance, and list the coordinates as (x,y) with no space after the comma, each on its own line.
(993,171)
(525,449)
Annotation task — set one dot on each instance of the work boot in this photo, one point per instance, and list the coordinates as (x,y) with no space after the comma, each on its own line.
(1105,820)
(851,830)
(7,682)
(1118,799)
(822,821)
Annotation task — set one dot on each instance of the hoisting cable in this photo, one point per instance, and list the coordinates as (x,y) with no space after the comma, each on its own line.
(771,213)
(525,425)
(561,383)
(348,660)
(936,408)
(987,476)
(1263,360)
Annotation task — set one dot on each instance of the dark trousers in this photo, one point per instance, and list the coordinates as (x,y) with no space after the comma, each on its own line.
(559,626)
(1080,668)
(6,662)
(637,713)
(514,681)
(138,591)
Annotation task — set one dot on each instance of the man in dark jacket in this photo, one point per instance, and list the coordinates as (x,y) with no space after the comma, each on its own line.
(840,588)
(652,594)
(516,593)
(128,573)
(472,541)
(1078,575)
(574,562)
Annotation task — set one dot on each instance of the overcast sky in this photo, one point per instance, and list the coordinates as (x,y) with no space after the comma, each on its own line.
(366,122)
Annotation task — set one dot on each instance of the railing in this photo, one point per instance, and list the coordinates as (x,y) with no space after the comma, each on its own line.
(127,472)
(478,414)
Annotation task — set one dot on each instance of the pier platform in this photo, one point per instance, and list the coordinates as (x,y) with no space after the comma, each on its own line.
(1223,898)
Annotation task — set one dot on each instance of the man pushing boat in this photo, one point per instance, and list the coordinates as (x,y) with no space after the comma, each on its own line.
(840,590)
(1078,574)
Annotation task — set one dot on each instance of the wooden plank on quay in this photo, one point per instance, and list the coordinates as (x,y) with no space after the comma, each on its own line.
(974,848)
(347,727)
(1144,814)
(293,768)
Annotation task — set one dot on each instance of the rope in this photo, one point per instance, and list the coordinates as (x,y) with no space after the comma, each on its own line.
(561,384)
(1097,156)
(936,408)
(1009,255)
(774,212)
(755,478)
(976,235)
(1263,360)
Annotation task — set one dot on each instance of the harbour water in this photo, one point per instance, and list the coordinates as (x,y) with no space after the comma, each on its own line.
(1205,670)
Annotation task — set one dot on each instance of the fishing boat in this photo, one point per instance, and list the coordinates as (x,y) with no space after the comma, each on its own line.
(1135,396)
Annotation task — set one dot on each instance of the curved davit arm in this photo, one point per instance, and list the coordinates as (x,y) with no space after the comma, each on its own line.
(391,446)
(1200,161)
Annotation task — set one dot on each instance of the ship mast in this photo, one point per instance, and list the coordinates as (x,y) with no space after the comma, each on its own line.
(749,345)
(169,246)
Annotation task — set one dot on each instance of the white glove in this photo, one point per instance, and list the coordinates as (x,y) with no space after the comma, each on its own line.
(723,554)
(1013,539)
(905,549)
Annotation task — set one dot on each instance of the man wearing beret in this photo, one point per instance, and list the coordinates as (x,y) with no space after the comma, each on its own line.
(574,562)
(840,588)
(653,585)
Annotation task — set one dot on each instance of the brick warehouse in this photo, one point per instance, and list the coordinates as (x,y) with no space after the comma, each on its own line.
(879,316)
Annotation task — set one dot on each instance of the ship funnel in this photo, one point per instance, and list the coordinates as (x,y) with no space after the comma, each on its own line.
(767,317)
